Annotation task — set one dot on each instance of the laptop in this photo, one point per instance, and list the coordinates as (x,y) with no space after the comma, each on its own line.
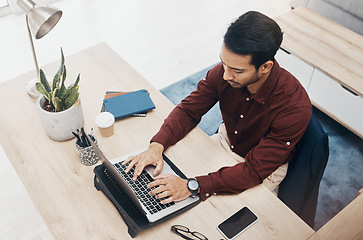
(137,191)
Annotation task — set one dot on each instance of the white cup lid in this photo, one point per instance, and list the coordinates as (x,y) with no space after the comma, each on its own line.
(104,120)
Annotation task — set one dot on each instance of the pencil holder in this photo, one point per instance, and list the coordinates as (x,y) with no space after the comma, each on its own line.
(87,155)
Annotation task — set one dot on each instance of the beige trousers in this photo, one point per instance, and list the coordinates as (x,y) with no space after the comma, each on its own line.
(272,181)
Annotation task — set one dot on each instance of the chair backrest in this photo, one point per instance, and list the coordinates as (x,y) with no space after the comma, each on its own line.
(299,190)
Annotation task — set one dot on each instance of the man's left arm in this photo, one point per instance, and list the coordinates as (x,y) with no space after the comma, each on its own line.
(272,151)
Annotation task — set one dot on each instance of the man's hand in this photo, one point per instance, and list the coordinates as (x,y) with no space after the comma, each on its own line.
(152,156)
(170,187)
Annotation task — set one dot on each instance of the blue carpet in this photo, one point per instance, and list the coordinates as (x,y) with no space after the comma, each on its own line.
(179,90)
(343,176)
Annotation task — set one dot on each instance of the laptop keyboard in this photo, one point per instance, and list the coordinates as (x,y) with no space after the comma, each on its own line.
(141,190)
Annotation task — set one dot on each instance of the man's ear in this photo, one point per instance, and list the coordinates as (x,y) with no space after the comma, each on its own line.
(266,67)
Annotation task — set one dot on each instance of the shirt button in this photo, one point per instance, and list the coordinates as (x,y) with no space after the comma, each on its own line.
(207,194)
(241,116)
(235,132)
(288,143)
(247,99)
(232,146)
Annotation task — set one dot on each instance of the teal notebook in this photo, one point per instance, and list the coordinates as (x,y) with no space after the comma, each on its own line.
(130,103)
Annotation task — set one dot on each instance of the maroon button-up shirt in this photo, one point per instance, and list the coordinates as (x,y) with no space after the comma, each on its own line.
(263,128)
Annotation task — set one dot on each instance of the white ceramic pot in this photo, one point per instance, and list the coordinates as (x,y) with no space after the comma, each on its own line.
(59,125)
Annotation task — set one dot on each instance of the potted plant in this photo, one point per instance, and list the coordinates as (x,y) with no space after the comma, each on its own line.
(59,106)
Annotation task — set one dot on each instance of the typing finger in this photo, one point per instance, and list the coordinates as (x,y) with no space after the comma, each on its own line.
(133,162)
(128,160)
(157,190)
(158,168)
(167,200)
(158,186)
(138,169)
(158,180)
(164,194)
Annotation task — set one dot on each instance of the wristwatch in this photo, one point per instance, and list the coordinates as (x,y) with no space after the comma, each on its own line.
(193,186)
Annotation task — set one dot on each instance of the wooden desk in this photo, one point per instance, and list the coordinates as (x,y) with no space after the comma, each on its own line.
(347,224)
(62,188)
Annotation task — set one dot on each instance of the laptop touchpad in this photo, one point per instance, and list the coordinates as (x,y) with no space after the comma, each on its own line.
(166,169)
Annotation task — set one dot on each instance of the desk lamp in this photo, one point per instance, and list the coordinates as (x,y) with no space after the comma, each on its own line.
(39,21)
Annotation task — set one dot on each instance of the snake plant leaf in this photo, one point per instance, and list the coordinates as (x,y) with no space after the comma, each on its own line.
(77,80)
(42,90)
(58,105)
(55,93)
(63,90)
(71,87)
(57,76)
(43,80)
(55,83)
(72,97)
(63,76)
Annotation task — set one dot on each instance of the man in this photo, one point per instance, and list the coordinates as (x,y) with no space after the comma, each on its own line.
(265,112)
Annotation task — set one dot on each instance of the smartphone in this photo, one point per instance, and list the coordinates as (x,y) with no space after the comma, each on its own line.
(237,223)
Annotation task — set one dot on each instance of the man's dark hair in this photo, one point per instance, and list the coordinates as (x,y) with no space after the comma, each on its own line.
(254,34)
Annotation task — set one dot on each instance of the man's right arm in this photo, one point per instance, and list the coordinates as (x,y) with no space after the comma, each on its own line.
(180,121)
(186,115)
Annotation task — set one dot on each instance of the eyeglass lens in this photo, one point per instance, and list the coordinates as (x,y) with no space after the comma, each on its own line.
(187,234)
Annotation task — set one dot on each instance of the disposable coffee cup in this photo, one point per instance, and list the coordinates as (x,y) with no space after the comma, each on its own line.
(105,122)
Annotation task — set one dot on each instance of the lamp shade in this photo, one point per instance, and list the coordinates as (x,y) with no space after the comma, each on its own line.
(43,19)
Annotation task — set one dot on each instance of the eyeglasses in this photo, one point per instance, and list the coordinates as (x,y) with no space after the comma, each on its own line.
(185,233)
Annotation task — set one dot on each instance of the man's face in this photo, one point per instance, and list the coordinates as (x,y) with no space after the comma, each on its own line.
(238,71)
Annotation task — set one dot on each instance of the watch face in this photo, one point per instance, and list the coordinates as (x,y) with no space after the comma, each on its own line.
(193,185)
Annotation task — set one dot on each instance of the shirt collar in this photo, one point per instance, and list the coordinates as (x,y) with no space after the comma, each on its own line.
(265,91)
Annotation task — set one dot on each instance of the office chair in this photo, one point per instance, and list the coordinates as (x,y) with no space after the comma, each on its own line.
(299,190)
